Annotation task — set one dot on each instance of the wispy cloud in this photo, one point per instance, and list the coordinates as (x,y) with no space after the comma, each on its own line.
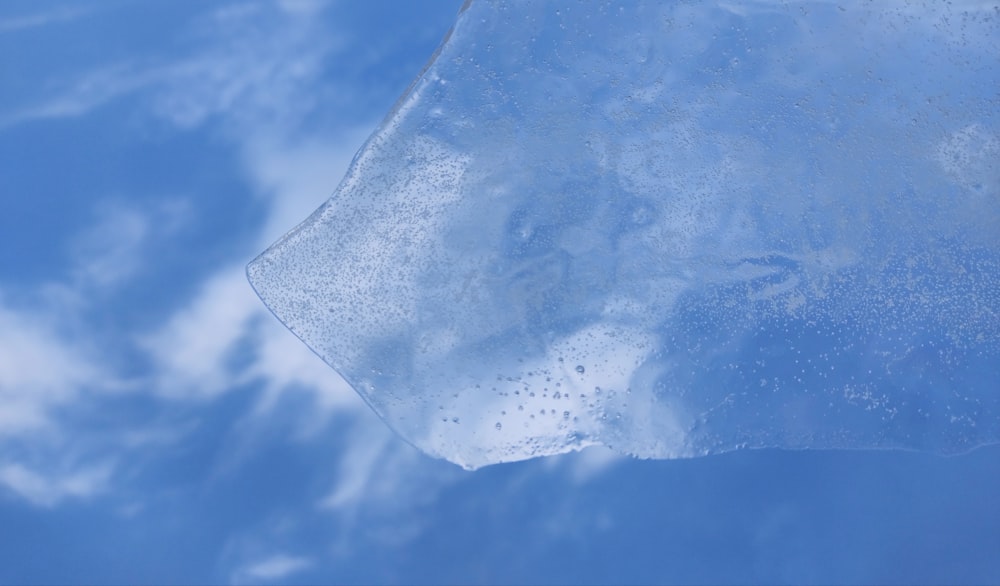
(39,370)
(591,463)
(224,338)
(114,246)
(303,7)
(358,468)
(282,363)
(296,176)
(252,65)
(58,15)
(193,350)
(274,568)
(83,95)
(48,489)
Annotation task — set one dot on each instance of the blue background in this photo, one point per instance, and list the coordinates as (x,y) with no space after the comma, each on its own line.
(158,425)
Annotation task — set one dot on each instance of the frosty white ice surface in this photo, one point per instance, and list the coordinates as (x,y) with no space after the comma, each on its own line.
(672,228)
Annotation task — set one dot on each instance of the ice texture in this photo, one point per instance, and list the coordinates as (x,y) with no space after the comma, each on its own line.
(672,228)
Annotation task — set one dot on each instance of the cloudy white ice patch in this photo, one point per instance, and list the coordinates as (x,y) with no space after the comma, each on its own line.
(673,229)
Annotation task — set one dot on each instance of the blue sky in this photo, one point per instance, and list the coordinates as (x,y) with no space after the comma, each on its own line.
(157,424)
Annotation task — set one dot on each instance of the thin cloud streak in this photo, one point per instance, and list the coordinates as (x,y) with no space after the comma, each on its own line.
(274,568)
(60,15)
(49,490)
(247,73)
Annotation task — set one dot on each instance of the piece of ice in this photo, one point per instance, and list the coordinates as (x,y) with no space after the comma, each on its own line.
(672,228)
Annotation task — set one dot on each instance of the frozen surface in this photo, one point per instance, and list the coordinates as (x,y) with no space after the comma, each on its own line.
(672,228)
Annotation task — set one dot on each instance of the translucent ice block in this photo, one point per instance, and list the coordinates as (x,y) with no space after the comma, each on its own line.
(672,228)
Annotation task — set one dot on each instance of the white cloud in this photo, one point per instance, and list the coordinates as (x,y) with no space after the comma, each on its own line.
(592,462)
(58,15)
(298,176)
(113,247)
(271,569)
(283,362)
(358,467)
(256,76)
(109,251)
(253,67)
(91,91)
(193,349)
(303,7)
(39,370)
(51,489)
(196,353)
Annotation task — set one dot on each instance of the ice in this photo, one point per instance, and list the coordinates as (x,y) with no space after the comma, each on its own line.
(671,228)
